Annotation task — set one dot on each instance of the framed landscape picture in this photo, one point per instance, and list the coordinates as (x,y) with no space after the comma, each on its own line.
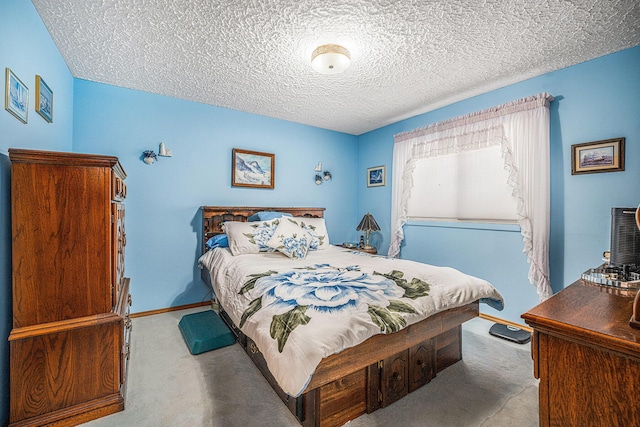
(44,100)
(16,100)
(252,169)
(376,176)
(598,156)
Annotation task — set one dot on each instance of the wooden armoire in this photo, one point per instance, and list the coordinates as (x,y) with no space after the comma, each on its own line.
(69,345)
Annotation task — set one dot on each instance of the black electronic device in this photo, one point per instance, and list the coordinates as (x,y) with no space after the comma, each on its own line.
(625,238)
(622,267)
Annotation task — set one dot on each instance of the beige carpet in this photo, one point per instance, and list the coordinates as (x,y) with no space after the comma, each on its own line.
(492,386)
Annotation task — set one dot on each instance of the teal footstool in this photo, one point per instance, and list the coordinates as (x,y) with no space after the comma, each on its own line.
(205,331)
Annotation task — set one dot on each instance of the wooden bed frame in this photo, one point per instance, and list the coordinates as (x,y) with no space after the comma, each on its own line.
(368,376)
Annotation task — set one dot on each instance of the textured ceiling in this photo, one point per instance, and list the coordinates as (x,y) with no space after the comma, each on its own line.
(408,57)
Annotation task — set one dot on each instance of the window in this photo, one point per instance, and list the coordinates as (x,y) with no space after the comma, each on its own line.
(467,186)
(443,164)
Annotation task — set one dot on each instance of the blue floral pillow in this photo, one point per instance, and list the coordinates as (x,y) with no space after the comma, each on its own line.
(250,237)
(317,228)
(290,239)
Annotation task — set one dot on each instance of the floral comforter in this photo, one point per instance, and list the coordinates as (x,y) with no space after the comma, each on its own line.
(299,312)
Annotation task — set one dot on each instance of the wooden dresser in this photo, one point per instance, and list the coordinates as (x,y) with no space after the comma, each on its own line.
(70,338)
(587,357)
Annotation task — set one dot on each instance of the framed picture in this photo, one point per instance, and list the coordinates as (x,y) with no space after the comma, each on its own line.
(598,156)
(44,100)
(376,176)
(16,100)
(252,169)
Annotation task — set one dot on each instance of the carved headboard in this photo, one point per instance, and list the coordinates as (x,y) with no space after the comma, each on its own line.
(214,216)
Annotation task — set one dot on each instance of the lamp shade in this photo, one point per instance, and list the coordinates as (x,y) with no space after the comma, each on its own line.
(330,59)
(368,223)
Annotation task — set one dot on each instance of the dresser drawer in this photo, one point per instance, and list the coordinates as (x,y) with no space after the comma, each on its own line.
(46,383)
(125,356)
(123,309)
(124,299)
(118,188)
(119,242)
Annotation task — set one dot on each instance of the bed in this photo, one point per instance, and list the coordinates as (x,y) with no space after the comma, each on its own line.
(383,328)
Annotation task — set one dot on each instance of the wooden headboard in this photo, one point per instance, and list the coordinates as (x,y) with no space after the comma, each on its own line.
(214,216)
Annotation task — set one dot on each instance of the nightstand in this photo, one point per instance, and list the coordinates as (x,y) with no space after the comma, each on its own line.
(352,247)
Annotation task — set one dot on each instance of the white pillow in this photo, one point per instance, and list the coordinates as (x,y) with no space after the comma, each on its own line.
(316,228)
(250,237)
(290,239)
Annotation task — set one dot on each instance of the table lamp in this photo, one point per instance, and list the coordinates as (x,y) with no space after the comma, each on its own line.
(368,224)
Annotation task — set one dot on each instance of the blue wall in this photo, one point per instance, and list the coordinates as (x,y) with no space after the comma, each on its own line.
(162,216)
(599,99)
(27,49)
(595,100)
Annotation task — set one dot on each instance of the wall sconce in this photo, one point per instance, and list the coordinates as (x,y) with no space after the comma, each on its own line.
(321,176)
(150,157)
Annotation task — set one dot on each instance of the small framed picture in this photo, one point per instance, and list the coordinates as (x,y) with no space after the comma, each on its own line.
(252,169)
(44,100)
(598,156)
(16,100)
(376,176)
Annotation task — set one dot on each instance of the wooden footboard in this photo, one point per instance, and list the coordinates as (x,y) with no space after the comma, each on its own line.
(375,373)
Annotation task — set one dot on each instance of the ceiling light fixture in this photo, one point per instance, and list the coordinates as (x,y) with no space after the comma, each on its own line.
(330,59)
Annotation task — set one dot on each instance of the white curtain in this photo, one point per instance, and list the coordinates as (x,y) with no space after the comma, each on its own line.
(521,128)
